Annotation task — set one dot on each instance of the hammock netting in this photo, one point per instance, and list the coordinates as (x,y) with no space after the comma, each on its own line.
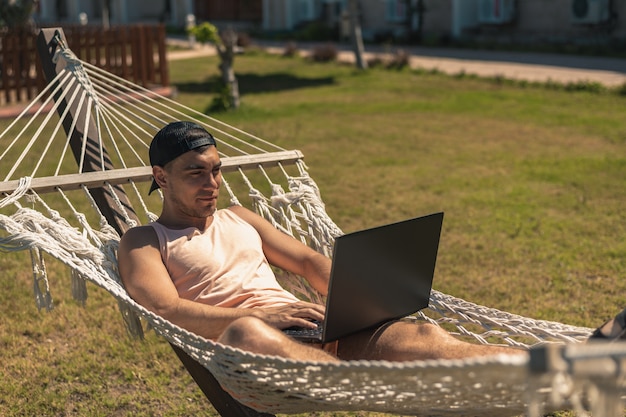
(48,206)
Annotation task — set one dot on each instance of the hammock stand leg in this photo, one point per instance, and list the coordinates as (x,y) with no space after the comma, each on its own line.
(225,404)
(222,401)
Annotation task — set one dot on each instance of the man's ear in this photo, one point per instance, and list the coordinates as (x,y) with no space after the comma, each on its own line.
(160,176)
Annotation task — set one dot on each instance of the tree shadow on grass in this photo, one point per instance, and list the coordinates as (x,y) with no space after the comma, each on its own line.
(209,85)
(250,83)
(253,83)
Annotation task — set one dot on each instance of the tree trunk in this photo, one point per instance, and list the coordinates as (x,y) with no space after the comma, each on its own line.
(230,80)
(357,36)
(227,57)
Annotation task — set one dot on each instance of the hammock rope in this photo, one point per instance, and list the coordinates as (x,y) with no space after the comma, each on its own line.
(126,117)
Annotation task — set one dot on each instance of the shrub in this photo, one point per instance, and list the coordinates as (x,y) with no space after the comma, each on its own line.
(590,86)
(315,31)
(291,50)
(205,32)
(374,62)
(324,53)
(400,59)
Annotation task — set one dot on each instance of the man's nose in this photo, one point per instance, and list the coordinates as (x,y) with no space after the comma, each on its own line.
(211,181)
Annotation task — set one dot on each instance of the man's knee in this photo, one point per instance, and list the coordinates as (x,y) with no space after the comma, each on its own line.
(412,330)
(247,333)
(429,330)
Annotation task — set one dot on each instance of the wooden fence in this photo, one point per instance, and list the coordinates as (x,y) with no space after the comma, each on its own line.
(135,53)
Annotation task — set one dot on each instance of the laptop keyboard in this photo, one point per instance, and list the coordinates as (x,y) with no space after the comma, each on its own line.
(305,333)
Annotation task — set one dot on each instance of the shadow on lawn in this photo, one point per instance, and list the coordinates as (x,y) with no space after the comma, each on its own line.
(253,83)
(250,83)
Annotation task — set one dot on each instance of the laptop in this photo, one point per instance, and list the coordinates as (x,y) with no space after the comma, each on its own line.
(378,275)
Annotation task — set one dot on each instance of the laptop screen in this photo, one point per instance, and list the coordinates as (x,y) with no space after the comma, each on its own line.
(381,274)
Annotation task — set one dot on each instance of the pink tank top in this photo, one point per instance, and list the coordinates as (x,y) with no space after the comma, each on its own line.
(223,266)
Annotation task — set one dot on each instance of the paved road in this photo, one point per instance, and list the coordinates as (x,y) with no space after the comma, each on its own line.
(539,67)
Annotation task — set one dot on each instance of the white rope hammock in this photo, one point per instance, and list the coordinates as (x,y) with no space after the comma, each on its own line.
(69,226)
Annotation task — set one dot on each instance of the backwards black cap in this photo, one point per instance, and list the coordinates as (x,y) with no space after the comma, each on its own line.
(174,140)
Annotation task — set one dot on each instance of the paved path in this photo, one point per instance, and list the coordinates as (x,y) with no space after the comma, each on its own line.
(537,67)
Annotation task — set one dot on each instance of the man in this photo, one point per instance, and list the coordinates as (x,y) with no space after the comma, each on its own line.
(207,270)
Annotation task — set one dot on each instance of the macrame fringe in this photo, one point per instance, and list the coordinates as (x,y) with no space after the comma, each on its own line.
(79,287)
(41,286)
(131,321)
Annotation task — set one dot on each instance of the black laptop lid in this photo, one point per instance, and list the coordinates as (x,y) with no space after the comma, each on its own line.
(381,274)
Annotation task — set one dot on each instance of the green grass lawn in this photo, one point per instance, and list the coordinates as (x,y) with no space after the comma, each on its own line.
(531,180)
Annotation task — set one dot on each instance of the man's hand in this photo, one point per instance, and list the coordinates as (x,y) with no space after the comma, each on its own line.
(298,314)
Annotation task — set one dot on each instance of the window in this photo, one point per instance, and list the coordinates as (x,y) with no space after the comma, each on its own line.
(396,10)
(305,10)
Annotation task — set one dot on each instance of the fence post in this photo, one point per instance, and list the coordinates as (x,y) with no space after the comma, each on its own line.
(123,37)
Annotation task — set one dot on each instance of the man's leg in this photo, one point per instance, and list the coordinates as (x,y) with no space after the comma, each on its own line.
(404,340)
(612,329)
(254,335)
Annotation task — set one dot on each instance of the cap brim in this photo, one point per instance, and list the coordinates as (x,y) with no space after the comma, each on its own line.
(153,187)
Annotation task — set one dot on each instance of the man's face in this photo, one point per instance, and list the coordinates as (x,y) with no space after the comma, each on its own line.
(193,181)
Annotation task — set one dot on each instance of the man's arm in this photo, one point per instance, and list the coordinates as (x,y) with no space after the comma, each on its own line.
(147,281)
(288,253)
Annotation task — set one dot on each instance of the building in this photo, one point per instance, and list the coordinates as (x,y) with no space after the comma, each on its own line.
(170,12)
(503,20)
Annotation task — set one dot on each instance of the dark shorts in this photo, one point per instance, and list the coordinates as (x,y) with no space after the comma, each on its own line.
(330,347)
